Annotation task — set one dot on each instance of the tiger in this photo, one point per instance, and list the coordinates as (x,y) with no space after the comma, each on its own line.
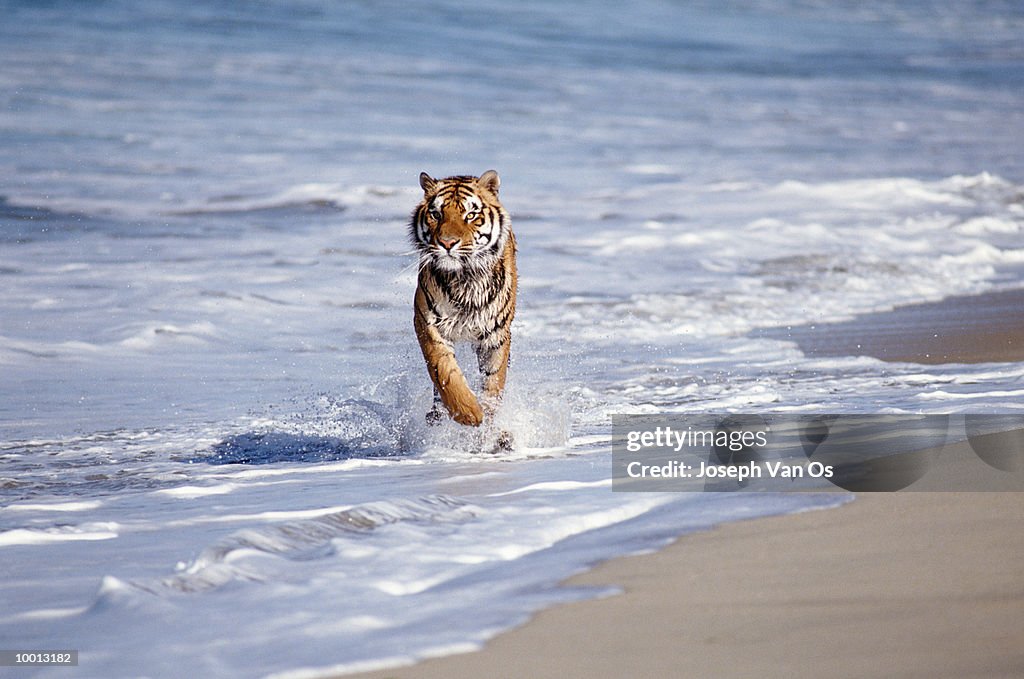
(466,290)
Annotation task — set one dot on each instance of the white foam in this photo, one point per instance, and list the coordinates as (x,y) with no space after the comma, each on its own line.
(49,614)
(261,516)
(877,194)
(330,195)
(193,492)
(941,395)
(344,465)
(54,507)
(149,335)
(85,532)
(556,485)
(979,226)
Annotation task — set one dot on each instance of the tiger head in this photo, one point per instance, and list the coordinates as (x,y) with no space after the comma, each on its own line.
(460,224)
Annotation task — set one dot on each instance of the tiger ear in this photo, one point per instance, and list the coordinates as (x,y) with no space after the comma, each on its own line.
(490,181)
(427,182)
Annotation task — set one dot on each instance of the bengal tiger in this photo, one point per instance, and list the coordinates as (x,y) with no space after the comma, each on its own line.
(466,290)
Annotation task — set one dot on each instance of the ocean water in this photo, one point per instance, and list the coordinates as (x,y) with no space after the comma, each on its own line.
(213,459)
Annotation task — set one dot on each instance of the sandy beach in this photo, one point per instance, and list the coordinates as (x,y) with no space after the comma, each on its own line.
(909,584)
(890,585)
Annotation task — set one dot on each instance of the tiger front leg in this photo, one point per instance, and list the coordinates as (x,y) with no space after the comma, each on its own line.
(493,362)
(437,413)
(449,382)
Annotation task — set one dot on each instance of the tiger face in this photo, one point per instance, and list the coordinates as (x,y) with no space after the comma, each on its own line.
(460,224)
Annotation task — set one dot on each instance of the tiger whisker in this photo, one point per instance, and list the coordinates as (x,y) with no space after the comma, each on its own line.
(405,269)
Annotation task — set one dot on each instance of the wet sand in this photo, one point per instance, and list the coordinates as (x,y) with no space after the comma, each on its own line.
(900,585)
(969,329)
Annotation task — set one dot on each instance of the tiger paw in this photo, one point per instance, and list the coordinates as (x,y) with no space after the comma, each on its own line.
(505,442)
(471,416)
(436,415)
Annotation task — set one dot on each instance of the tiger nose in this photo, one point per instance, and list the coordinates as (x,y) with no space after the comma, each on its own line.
(448,243)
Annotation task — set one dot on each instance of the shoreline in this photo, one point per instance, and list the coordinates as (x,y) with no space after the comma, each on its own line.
(907,584)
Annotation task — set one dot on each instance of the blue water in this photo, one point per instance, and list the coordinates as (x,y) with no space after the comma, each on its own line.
(210,395)
(144,107)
